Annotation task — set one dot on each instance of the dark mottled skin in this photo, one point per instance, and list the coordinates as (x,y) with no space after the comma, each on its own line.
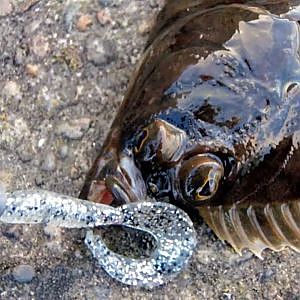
(219,87)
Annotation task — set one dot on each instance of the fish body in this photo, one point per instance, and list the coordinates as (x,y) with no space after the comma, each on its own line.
(211,120)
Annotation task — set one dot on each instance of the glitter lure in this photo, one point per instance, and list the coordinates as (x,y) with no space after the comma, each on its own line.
(170,227)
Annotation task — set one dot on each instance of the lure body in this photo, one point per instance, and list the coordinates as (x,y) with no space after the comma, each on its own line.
(211,120)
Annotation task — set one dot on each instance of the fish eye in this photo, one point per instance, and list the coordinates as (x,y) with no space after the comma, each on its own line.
(199,177)
(160,142)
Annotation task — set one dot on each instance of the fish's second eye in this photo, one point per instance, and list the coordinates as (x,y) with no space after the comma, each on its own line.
(199,177)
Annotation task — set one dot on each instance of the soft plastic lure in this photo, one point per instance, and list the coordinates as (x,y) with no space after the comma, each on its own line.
(170,227)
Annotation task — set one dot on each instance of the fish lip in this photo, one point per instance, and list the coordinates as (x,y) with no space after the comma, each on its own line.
(120,190)
(121,184)
(111,190)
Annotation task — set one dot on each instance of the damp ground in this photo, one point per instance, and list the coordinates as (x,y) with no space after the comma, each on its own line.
(64,68)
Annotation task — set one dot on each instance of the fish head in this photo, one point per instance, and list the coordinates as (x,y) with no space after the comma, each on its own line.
(184,132)
(159,162)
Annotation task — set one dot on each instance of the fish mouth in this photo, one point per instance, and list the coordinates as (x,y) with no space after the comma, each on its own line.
(117,183)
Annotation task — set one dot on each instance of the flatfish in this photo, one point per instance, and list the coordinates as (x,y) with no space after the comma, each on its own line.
(211,121)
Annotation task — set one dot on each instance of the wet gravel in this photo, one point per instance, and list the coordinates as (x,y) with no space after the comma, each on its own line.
(64,67)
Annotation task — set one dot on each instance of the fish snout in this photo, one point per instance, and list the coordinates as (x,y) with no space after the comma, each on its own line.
(118,182)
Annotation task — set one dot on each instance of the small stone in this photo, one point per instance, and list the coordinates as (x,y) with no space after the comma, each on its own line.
(24,5)
(100,52)
(145,26)
(39,46)
(48,99)
(103,17)
(71,56)
(74,129)
(5,7)
(105,3)
(39,180)
(52,231)
(41,142)
(49,162)
(266,275)
(84,22)
(23,273)
(2,198)
(70,13)
(32,70)
(77,254)
(33,27)
(75,173)
(19,56)
(12,90)
(236,259)
(63,151)
(25,152)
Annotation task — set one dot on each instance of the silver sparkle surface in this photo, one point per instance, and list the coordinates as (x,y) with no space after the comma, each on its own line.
(171,228)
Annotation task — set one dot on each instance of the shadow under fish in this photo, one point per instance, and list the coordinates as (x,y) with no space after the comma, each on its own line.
(211,121)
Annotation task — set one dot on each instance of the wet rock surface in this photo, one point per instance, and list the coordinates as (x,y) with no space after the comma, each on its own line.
(60,88)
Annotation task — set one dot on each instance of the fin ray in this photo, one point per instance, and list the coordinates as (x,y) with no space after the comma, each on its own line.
(256,227)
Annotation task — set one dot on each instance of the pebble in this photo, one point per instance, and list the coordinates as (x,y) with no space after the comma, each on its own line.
(70,12)
(5,7)
(77,254)
(12,90)
(41,142)
(19,56)
(103,17)
(236,259)
(49,162)
(205,257)
(39,46)
(33,27)
(266,275)
(32,70)
(39,180)
(23,273)
(105,3)
(84,22)
(25,152)
(52,231)
(100,52)
(72,57)
(74,129)
(2,198)
(24,5)
(63,151)
(145,26)
(74,173)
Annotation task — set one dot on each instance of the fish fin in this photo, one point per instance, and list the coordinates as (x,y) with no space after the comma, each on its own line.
(270,216)
(256,227)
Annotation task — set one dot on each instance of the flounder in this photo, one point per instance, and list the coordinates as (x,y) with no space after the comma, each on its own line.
(211,120)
